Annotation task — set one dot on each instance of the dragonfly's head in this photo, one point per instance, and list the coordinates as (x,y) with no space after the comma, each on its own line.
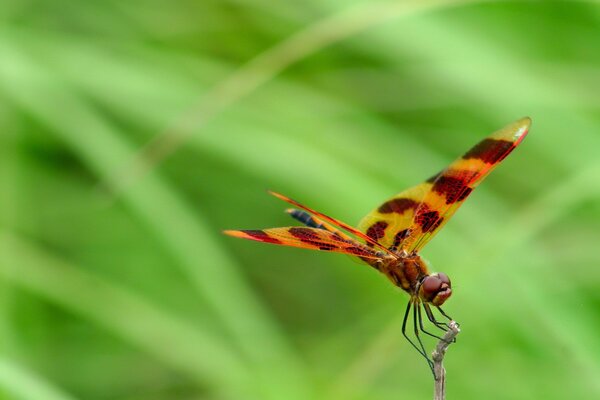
(435,288)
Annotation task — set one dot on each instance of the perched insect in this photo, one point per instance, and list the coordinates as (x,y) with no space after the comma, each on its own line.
(397,230)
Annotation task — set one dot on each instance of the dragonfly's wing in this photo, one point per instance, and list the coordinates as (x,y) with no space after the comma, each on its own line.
(389,223)
(308,238)
(335,222)
(452,186)
(410,219)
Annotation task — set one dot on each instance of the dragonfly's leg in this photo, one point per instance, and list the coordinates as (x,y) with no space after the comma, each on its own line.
(431,318)
(420,317)
(440,325)
(406,314)
(443,313)
(416,329)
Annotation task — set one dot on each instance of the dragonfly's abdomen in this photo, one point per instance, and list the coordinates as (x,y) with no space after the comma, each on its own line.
(305,218)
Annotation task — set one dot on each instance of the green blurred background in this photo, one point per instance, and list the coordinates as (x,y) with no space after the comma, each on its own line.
(116,282)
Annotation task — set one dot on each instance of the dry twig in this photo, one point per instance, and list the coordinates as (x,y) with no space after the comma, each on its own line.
(438,358)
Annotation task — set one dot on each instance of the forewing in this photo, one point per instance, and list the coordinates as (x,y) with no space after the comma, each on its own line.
(389,223)
(449,189)
(308,238)
(313,222)
(335,222)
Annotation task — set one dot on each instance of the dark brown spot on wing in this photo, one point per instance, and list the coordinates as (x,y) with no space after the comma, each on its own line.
(377,230)
(398,238)
(305,235)
(310,237)
(336,236)
(464,194)
(326,247)
(428,219)
(399,206)
(261,236)
(490,151)
(452,187)
(359,251)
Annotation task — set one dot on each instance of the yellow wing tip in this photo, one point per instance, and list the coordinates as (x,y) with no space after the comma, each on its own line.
(525,122)
(235,233)
(521,127)
(515,131)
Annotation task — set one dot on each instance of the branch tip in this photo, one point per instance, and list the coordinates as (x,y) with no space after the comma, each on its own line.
(438,358)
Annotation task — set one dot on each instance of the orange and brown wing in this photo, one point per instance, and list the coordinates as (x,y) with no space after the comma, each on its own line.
(314,222)
(308,238)
(452,186)
(335,222)
(410,219)
(389,223)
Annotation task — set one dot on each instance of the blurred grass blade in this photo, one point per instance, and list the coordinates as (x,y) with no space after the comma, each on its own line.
(178,227)
(249,125)
(338,104)
(203,357)
(264,67)
(578,335)
(21,384)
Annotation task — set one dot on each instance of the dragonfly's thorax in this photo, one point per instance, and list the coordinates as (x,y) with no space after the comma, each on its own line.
(405,272)
(410,272)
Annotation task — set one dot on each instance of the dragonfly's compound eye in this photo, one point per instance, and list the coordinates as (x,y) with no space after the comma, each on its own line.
(435,289)
(444,278)
(431,285)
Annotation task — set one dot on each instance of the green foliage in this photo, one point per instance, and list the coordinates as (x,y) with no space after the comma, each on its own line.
(116,282)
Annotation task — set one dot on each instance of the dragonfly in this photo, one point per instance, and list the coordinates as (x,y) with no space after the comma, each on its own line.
(391,236)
